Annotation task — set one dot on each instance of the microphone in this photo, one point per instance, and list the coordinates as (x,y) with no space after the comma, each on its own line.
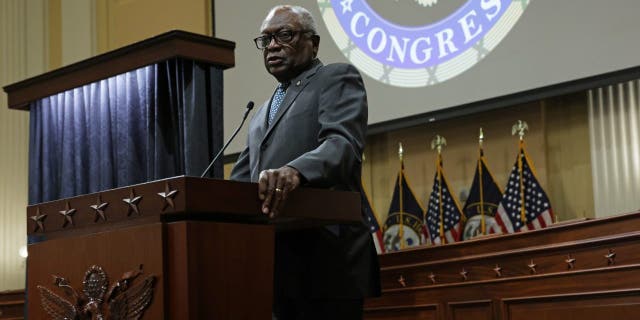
(246,113)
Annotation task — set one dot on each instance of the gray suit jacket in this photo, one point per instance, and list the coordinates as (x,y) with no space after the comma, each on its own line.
(319,130)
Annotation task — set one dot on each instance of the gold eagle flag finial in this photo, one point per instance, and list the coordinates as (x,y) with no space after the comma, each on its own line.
(438,143)
(520,127)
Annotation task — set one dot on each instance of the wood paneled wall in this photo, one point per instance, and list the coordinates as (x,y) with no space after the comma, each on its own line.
(120,23)
(557,143)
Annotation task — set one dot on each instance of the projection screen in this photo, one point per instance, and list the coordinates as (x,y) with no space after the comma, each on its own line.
(422,56)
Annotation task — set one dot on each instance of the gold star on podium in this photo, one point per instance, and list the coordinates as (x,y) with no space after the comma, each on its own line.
(39,220)
(98,209)
(432,277)
(402,282)
(67,213)
(132,202)
(498,271)
(167,196)
(465,274)
(611,257)
(532,267)
(571,261)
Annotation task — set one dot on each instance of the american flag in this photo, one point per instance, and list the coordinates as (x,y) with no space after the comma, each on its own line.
(372,220)
(443,221)
(537,208)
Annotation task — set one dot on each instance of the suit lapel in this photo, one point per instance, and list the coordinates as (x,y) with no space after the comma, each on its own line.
(297,85)
(261,119)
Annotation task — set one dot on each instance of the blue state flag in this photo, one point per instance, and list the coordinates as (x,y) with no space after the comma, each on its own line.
(403,227)
(482,204)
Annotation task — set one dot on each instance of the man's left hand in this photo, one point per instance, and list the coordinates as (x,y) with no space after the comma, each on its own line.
(274,186)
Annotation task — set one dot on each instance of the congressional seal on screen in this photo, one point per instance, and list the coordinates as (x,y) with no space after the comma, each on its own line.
(418,43)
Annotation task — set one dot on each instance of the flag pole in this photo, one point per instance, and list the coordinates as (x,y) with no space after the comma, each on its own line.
(441,212)
(482,216)
(400,176)
(437,143)
(520,127)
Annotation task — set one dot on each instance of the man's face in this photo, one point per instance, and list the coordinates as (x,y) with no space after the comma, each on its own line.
(286,60)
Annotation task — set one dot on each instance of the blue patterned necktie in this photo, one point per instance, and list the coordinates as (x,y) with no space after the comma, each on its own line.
(277,100)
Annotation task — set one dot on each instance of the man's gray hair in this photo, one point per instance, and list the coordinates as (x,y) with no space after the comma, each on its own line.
(306,18)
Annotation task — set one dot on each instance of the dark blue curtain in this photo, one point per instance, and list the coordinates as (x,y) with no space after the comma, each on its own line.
(155,122)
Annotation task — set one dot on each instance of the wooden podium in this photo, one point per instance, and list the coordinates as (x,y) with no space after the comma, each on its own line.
(204,241)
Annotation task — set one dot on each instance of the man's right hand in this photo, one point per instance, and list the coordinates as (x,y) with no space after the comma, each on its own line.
(274,186)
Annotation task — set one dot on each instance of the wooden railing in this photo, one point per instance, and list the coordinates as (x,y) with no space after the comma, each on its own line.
(12,304)
(581,270)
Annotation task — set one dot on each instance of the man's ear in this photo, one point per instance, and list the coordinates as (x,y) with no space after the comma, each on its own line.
(316,44)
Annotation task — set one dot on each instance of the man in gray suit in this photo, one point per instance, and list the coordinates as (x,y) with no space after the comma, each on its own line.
(310,133)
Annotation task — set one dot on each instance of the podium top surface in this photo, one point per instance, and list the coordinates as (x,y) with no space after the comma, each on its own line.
(187,198)
(165,46)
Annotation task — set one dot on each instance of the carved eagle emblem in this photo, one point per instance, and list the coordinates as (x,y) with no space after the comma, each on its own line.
(98,301)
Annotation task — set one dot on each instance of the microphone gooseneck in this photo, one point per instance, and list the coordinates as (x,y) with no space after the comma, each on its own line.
(246,113)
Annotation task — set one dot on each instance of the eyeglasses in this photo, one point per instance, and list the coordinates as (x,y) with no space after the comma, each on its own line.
(281,37)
